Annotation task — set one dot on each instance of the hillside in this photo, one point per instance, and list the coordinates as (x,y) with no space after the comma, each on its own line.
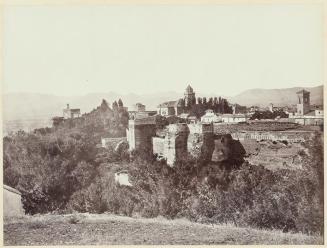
(104,229)
(280,97)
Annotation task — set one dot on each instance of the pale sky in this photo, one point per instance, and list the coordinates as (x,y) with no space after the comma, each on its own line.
(221,49)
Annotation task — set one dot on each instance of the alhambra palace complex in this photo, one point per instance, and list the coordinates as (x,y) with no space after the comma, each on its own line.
(205,138)
(211,136)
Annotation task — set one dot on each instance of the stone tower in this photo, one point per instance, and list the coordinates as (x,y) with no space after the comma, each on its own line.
(303,105)
(175,145)
(140,132)
(189,96)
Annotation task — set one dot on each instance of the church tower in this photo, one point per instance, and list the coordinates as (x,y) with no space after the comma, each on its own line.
(189,96)
(303,106)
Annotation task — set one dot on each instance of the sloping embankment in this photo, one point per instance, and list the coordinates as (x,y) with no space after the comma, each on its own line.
(104,229)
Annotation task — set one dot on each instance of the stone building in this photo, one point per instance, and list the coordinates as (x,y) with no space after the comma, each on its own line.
(304,114)
(303,105)
(139,112)
(170,108)
(13,205)
(69,113)
(140,132)
(234,118)
(139,107)
(210,117)
(177,107)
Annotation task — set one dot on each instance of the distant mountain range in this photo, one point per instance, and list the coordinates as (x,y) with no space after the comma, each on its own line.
(22,106)
(279,97)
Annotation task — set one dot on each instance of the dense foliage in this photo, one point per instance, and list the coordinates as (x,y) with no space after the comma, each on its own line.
(64,170)
(268,115)
(198,107)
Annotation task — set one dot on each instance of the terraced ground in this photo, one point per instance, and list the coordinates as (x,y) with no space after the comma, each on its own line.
(105,229)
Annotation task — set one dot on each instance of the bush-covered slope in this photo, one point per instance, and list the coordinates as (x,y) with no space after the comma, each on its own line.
(62,170)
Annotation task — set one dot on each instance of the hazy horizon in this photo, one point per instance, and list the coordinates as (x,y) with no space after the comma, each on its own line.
(153,93)
(147,49)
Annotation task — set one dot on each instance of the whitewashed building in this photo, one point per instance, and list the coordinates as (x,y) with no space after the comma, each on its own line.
(234,118)
(210,117)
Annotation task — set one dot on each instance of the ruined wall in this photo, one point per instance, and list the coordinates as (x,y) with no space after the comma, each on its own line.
(175,145)
(309,121)
(200,141)
(256,126)
(194,145)
(143,137)
(272,149)
(290,136)
(275,150)
(158,145)
(276,155)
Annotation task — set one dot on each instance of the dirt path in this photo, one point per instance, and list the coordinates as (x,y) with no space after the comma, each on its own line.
(84,229)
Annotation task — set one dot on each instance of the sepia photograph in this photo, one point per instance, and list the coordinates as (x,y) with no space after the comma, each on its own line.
(167,123)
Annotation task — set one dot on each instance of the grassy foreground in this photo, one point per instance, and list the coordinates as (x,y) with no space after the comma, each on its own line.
(105,229)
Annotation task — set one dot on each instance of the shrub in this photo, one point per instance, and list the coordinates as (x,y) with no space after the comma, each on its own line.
(73,219)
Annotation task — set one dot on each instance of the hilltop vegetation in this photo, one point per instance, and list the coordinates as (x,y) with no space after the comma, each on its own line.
(61,170)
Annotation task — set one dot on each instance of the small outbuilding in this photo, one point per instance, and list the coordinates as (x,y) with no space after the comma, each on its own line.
(12,202)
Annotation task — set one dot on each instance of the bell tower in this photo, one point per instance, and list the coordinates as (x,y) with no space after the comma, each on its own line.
(189,96)
(303,105)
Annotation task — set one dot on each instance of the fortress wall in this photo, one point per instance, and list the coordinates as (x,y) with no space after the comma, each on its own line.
(199,128)
(169,149)
(194,144)
(143,137)
(181,145)
(140,136)
(175,144)
(158,145)
(194,128)
(290,136)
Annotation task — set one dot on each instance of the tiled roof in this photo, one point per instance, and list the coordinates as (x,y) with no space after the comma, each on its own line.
(11,189)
